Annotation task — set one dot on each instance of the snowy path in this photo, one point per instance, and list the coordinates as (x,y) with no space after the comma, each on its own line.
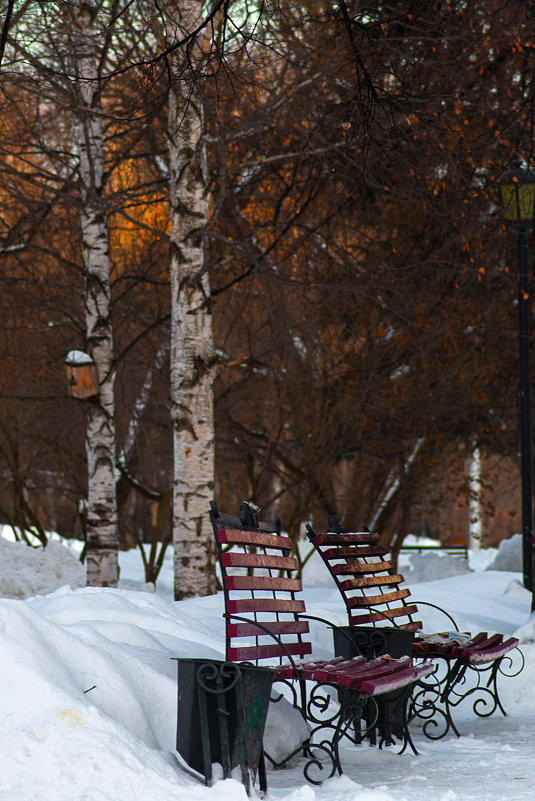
(88,700)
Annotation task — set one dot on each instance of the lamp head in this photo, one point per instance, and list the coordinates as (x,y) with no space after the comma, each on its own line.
(517,189)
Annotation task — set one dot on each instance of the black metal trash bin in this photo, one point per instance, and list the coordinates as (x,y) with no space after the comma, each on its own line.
(389,715)
(221,716)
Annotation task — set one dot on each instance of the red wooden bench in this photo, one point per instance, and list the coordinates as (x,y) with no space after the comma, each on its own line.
(370,587)
(266,620)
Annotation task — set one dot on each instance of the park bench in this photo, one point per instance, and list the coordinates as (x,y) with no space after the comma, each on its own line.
(380,611)
(266,620)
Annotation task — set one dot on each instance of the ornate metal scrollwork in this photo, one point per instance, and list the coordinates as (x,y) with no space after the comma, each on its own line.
(310,752)
(331,722)
(512,663)
(218,678)
(425,705)
(454,682)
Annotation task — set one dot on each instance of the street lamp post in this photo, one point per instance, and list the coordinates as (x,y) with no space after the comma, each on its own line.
(517,188)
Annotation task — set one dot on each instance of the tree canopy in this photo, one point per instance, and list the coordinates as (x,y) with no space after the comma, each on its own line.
(361,282)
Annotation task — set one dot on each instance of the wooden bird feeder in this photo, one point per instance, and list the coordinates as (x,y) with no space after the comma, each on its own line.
(82,375)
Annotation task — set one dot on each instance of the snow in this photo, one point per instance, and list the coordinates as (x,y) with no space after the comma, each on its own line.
(78,357)
(509,555)
(27,571)
(88,691)
(423,566)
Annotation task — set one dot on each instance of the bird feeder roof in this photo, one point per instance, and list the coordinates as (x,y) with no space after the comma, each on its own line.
(78,357)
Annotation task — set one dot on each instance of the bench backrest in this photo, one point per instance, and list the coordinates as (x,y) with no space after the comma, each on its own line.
(258,570)
(365,576)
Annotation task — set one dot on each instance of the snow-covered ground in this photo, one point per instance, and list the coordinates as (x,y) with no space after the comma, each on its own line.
(88,688)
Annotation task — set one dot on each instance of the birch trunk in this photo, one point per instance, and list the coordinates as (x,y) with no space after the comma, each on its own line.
(102,530)
(475,511)
(393,488)
(192,349)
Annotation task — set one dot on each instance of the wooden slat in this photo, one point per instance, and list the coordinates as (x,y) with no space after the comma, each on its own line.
(481,649)
(275,627)
(307,668)
(374,673)
(345,539)
(350,568)
(396,680)
(354,553)
(260,560)
(329,671)
(494,639)
(262,583)
(388,614)
(482,641)
(382,666)
(375,600)
(254,652)
(355,667)
(488,654)
(370,581)
(242,605)
(226,536)
(477,639)
(386,684)
(389,667)
(478,644)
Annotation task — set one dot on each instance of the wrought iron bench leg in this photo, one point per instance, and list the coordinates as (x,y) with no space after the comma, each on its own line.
(262,776)
(430,702)
(493,679)
(455,676)
(394,722)
(426,704)
(487,699)
(329,729)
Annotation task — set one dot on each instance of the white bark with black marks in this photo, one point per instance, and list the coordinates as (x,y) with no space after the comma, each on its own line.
(192,348)
(102,527)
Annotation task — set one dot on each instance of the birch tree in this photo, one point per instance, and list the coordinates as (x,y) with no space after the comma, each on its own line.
(102,529)
(192,350)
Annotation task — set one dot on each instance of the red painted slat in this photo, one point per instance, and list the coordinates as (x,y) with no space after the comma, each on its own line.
(346,539)
(240,605)
(354,553)
(262,583)
(389,614)
(233,536)
(353,672)
(326,671)
(385,667)
(481,649)
(396,680)
(362,568)
(477,639)
(375,600)
(253,653)
(370,581)
(260,560)
(488,654)
(357,665)
(275,627)
(493,640)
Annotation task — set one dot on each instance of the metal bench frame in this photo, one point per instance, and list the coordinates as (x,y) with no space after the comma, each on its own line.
(268,609)
(370,587)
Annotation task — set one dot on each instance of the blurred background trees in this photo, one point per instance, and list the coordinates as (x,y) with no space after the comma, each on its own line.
(362,288)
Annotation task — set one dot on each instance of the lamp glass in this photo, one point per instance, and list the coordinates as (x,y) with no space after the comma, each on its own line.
(518,200)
